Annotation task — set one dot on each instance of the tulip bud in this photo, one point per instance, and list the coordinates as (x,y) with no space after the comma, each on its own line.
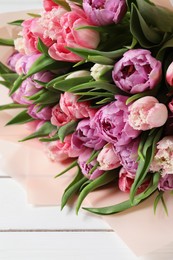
(147,113)
(101,72)
(78,74)
(169,74)
(108,158)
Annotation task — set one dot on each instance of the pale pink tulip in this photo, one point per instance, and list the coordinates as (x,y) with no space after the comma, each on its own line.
(59,118)
(163,159)
(147,113)
(108,158)
(126,180)
(169,74)
(73,109)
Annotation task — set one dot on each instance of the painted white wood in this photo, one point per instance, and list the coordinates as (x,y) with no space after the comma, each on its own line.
(68,245)
(62,243)
(16,213)
(64,246)
(18,5)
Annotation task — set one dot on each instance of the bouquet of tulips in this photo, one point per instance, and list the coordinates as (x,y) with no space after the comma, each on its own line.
(94,80)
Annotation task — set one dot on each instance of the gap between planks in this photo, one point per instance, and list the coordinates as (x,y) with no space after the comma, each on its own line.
(5,177)
(54,230)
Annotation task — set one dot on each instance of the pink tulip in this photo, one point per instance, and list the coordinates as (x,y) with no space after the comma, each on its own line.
(34,126)
(50,22)
(32,30)
(49,5)
(69,36)
(169,74)
(73,109)
(30,39)
(170,105)
(126,180)
(59,118)
(147,113)
(137,71)
(163,159)
(108,158)
(60,151)
(44,114)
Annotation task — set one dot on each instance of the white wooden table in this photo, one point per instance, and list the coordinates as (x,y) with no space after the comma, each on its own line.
(28,232)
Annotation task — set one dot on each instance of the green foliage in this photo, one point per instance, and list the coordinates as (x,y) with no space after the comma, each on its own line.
(127,204)
(46,129)
(21,118)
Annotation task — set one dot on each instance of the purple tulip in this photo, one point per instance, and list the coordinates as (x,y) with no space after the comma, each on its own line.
(12,60)
(111,123)
(44,114)
(25,62)
(128,155)
(86,136)
(21,64)
(103,12)
(86,167)
(166,182)
(27,89)
(137,71)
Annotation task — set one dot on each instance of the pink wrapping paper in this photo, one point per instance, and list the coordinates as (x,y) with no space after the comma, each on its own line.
(140,229)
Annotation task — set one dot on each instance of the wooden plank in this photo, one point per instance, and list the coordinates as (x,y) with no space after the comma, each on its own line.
(63,246)
(16,213)
(17,5)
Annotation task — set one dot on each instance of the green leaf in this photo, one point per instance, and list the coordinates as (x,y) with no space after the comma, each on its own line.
(156,201)
(16,22)
(44,130)
(84,185)
(11,106)
(4,69)
(46,98)
(71,191)
(168,44)
(72,165)
(79,2)
(67,129)
(129,3)
(95,94)
(143,165)
(66,84)
(84,52)
(6,42)
(96,85)
(72,188)
(10,77)
(127,204)
(53,138)
(164,205)
(145,35)
(5,84)
(34,15)
(42,47)
(41,64)
(62,3)
(94,154)
(100,59)
(21,118)
(104,101)
(143,139)
(41,83)
(152,92)
(16,84)
(56,80)
(159,17)
(104,179)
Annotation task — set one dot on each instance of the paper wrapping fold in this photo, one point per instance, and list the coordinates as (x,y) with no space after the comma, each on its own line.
(140,229)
